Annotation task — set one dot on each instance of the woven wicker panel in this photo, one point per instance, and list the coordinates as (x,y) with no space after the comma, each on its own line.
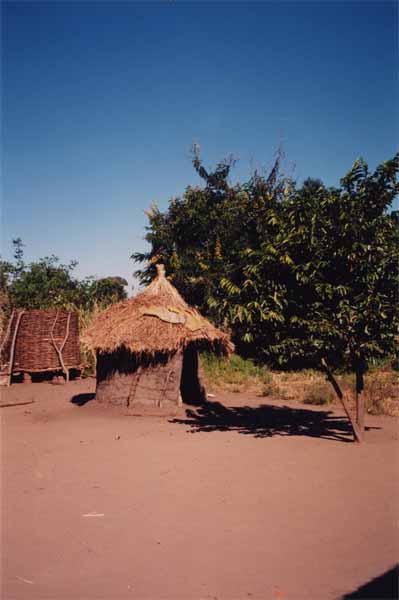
(34,349)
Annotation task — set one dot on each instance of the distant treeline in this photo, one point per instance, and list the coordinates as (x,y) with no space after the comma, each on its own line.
(300,275)
(47,283)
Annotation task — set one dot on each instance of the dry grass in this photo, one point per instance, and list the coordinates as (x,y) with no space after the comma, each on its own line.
(381,393)
(308,386)
(88,355)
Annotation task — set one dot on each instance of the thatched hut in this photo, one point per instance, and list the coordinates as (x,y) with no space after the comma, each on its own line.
(147,349)
(39,341)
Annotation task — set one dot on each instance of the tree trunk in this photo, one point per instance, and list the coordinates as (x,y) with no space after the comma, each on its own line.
(357,434)
(360,400)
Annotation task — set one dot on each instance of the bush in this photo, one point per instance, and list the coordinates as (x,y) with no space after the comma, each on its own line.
(319,394)
(271,389)
(234,372)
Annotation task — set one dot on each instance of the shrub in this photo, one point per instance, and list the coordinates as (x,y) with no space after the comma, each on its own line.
(319,394)
(233,373)
(273,390)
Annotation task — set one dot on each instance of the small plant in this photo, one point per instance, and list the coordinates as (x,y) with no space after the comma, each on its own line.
(318,394)
(236,389)
(274,391)
(268,390)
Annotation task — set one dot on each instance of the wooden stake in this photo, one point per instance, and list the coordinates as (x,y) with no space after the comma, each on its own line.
(59,350)
(12,351)
(360,412)
(133,386)
(7,335)
(360,409)
(165,387)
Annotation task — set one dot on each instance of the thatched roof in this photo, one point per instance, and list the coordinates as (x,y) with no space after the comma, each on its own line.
(157,320)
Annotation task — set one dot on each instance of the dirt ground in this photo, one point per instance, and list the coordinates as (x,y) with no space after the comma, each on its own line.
(240,499)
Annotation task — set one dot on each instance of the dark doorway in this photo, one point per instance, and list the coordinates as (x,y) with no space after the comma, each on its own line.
(191,389)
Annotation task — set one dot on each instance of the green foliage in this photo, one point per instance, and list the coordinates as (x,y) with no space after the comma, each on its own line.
(210,239)
(47,283)
(297,274)
(233,371)
(105,291)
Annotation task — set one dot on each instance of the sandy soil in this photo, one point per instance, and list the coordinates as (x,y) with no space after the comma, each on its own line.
(232,501)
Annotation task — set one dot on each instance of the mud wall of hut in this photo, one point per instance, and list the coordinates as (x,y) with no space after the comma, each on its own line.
(123,380)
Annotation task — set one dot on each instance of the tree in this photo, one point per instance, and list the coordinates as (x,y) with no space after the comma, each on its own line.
(107,290)
(204,237)
(331,269)
(301,276)
(344,248)
(47,283)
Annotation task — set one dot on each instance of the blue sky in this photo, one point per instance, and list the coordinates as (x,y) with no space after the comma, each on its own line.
(103,100)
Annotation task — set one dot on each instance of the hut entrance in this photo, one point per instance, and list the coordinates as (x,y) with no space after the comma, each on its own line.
(191,388)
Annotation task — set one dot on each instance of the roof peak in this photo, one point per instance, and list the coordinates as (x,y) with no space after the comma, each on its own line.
(160,270)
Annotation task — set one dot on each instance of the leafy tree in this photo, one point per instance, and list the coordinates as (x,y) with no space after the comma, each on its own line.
(301,276)
(6,272)
(341,301)
(47,283)
(204,237)
(10,270)
(107,290)
(344,252)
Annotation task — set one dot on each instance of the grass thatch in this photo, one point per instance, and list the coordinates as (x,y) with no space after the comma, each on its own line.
(157,320)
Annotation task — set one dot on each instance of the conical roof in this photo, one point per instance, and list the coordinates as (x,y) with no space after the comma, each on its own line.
(156,320)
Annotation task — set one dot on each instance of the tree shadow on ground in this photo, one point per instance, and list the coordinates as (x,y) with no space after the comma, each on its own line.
(384,587)
(268,420)
(82,399)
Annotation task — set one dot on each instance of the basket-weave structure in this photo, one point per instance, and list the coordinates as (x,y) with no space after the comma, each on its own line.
(36,333)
